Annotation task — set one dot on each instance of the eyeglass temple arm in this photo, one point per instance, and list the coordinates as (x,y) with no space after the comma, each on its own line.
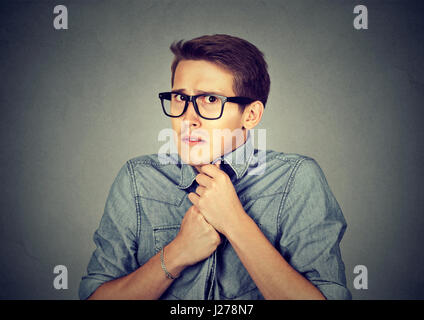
(241,100)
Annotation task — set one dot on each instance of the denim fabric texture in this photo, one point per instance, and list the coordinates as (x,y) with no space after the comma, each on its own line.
(290,200)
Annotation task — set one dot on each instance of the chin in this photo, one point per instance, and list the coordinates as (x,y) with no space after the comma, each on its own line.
(196,155)
(195,161)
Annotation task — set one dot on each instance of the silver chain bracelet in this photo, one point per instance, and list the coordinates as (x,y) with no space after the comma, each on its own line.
(168,275)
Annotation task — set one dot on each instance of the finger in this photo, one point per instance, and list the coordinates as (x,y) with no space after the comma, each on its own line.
(194,198)
(211,170)
(220,237)
(200,190)
(204,180)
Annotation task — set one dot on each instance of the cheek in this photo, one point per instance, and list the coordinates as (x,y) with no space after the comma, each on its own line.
(227,143)
(232,118)
(175,125)
(226,140)
(175,131)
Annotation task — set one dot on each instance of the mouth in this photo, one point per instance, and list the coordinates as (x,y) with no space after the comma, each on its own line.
(192,140)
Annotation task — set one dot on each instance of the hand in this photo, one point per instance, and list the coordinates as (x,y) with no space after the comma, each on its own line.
(216,198)
(196,238)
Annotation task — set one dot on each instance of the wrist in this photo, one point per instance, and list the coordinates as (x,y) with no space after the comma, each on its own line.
(233,225)
(173,259)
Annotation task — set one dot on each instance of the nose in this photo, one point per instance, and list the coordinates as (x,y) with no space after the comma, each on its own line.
(191,116)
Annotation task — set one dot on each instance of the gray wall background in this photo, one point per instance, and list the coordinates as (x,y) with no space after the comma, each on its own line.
(77,103)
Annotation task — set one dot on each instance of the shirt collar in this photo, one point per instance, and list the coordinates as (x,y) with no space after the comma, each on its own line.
(235,163)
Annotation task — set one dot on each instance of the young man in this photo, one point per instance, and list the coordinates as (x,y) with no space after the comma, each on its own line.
(205,226)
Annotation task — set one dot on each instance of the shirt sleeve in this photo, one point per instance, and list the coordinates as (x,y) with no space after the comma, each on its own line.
(312,226)
(115,238)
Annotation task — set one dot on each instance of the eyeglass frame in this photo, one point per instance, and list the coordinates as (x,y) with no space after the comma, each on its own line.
(188,99)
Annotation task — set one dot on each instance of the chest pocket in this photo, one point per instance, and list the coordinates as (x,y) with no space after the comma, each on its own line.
(164,235)
(233,279)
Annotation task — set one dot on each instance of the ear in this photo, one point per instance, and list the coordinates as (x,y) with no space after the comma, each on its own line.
(252,114)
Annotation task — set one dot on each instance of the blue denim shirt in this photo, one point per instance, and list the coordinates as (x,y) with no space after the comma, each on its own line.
(287,196)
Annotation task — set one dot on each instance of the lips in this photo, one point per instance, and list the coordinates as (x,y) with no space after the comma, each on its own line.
(191,139)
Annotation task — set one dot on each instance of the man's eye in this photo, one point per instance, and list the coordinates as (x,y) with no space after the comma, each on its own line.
(211,99)
(178,97)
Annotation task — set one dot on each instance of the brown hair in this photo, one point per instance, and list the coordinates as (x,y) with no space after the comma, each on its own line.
(243,59)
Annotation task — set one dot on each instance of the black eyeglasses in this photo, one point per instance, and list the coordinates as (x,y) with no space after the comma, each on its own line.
(209,106)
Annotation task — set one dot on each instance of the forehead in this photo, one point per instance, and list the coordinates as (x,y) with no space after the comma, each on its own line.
(201,75)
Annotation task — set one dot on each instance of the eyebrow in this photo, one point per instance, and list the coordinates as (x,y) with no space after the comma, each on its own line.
(183,91)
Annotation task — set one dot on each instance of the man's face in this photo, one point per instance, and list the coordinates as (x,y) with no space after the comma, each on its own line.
(219,136)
